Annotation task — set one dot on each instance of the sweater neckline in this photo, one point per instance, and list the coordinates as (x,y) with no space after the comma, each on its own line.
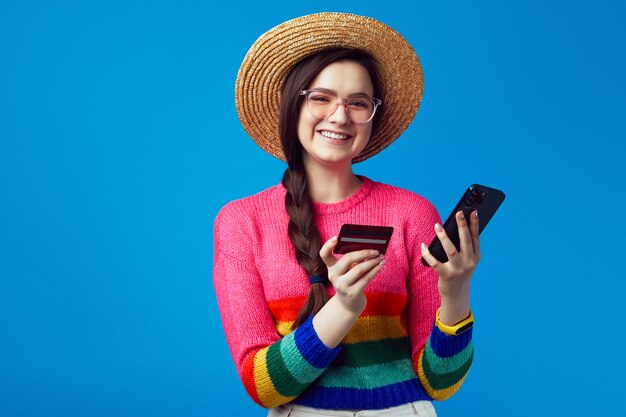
(346,204)
(322,209)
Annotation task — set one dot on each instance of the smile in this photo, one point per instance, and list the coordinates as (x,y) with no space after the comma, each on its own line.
(332,135)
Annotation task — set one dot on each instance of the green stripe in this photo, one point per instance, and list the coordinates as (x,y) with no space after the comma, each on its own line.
(440,365)
(285,384)
(374,376)
(374,353)
(439,381)
(296,364)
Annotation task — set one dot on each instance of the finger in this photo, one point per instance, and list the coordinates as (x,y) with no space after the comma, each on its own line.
(361,271)
(465,236)
(430,259)
(362,282)
(475,231)
(446,243)
(355,258)
(326,252)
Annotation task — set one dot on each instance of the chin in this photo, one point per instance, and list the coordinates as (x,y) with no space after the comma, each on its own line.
(332,158)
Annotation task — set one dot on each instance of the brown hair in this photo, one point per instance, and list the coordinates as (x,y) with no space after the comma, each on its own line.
(302,230)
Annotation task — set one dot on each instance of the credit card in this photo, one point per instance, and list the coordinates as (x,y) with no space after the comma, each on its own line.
(354,237)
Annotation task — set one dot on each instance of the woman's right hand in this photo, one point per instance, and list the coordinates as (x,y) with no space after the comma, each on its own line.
(351,273)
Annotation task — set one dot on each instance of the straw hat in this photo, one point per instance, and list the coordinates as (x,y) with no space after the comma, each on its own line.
(265,66)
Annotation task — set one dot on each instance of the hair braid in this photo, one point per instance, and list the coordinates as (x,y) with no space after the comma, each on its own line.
(305,238)
(302,229)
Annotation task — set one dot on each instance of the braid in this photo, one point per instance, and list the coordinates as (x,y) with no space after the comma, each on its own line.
(305,238)
(302,229)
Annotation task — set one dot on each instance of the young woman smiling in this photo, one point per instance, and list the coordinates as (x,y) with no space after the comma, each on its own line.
(311,332)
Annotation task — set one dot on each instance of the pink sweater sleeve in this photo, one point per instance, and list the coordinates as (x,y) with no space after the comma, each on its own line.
(441,361)
(274,370)
(239,289)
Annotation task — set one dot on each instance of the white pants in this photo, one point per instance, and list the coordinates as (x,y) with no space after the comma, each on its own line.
(416,408)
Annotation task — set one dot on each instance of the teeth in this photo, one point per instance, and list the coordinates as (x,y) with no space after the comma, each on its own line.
(334,135)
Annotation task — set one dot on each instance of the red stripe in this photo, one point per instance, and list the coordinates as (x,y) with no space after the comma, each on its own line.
(247,377)
(385,304)
(286,309)
(378,304)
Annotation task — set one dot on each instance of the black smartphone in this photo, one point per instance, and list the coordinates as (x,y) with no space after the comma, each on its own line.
(485,199)
(360,236)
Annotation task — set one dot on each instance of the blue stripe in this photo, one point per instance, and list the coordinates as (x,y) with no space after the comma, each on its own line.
(446,346)
(312,348)
(353,398)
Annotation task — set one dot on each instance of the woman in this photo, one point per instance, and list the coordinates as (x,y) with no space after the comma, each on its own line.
(311,332)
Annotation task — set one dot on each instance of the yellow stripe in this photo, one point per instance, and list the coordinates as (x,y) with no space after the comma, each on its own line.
(369,329)
(366,329)
(441,394)
(284,327)
(266,390)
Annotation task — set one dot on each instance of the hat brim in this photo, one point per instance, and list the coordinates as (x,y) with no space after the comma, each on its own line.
(265,66)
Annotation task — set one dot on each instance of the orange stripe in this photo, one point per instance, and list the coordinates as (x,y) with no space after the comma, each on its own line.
(247,376)
(378,304)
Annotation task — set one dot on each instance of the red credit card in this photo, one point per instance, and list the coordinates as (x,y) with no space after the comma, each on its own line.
(359,236)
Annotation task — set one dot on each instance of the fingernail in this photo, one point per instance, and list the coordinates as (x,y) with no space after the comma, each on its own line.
(461,216)
(475,214)
(438,227)
(380,257)
(333,238)
(373,252)
(423,246)
(382,263)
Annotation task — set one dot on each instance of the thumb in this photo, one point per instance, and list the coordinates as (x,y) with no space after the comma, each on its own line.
(326,252)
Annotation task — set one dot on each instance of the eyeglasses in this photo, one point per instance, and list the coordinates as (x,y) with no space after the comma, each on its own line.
(321,104)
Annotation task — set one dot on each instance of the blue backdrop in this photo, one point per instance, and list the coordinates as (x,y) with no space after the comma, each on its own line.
(119,142)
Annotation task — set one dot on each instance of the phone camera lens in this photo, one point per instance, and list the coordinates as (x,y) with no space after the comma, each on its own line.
(478,195)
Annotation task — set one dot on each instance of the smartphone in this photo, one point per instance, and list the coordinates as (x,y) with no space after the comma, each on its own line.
(485,199)
(360,236)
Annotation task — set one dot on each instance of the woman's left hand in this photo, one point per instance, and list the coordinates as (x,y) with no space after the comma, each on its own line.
(455,274)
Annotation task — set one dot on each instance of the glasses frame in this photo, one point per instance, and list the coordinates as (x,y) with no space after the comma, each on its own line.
(341,100)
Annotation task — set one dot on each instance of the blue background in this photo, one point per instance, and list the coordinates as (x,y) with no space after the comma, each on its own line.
(119,142)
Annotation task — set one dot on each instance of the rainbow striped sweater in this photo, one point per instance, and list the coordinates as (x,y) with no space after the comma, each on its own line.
(392,355)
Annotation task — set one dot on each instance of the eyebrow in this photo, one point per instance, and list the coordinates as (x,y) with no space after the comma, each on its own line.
(331,91)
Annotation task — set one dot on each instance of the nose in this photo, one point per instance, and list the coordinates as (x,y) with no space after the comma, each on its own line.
(340,115)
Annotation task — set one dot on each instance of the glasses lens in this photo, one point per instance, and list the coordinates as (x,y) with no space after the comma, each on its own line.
(360,109)
(322,105)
